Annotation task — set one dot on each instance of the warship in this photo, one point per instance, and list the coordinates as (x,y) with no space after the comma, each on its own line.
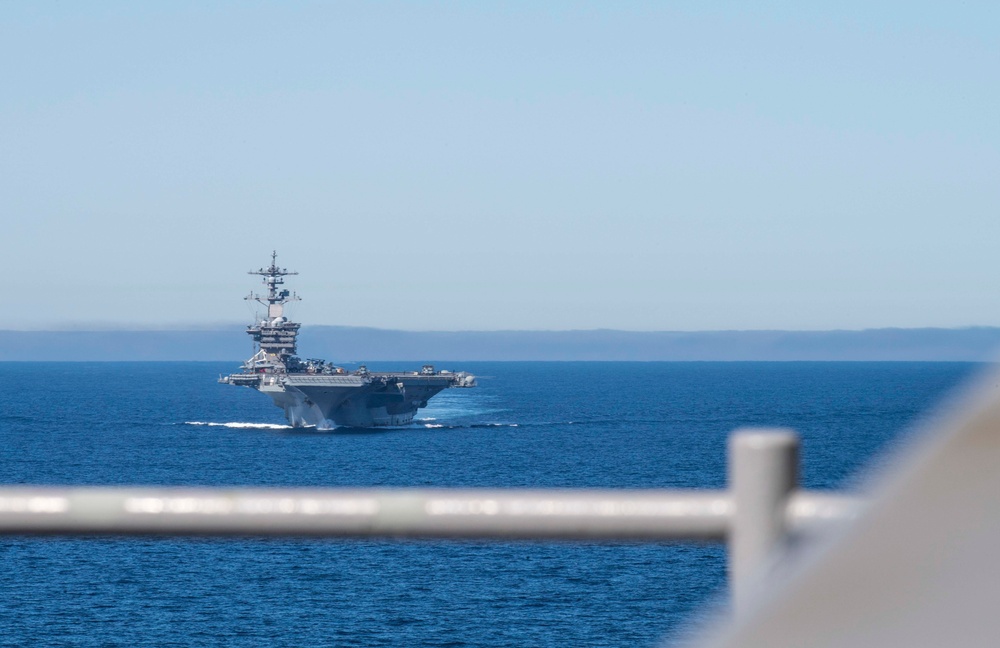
(317,393)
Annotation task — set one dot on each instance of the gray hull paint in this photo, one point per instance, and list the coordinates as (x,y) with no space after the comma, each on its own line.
(353,401)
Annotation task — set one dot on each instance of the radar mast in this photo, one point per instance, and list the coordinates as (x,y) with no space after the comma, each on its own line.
(273,278)
(274,335)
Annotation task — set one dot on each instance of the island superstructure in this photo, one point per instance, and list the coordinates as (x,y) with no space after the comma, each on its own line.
(317,393)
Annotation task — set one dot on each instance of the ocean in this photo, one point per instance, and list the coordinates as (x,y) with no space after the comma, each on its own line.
(528,424)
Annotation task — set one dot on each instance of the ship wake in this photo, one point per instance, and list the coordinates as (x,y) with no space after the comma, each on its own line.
(465,426)
(242,425)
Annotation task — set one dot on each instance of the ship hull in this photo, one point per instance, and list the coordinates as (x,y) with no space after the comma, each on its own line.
(381,400)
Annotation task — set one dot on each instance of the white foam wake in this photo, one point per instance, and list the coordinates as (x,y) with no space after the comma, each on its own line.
(248,426)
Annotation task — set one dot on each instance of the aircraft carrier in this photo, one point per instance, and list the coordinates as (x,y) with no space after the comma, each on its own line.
(317,393)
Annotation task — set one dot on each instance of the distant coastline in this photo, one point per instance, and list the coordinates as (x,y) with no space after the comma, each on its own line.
(357,344)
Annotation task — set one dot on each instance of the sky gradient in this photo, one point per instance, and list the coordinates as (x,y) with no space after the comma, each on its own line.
(478,166)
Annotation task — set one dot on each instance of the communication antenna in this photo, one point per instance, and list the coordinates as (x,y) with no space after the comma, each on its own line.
(276,297)
(275,335)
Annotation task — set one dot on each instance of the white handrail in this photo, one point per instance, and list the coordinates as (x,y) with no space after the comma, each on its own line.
(754,516)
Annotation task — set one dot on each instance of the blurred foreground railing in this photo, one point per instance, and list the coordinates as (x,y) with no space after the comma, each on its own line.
(760,508)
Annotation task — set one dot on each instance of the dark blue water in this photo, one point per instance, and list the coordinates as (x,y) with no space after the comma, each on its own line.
(635,425)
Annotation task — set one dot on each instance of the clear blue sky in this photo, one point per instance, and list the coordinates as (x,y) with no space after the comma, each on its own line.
(521,165)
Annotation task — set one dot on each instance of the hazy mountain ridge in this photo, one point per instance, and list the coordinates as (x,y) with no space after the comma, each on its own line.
(347,344)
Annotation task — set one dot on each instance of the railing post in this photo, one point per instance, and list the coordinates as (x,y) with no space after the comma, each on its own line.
(763,473)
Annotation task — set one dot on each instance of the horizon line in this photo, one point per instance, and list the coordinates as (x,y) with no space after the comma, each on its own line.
(138,328)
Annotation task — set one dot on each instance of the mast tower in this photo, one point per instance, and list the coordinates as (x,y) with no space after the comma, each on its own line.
(274,335)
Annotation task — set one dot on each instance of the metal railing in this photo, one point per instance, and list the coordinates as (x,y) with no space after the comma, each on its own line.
(761,507)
